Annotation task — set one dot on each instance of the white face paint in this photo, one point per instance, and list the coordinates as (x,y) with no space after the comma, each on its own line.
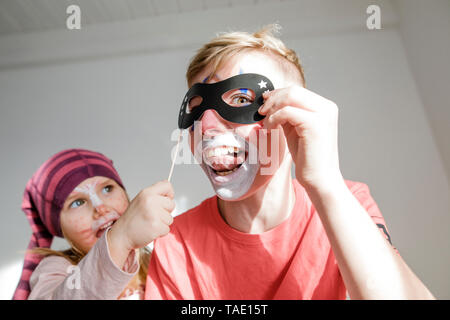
(109,218)
(89,190)
(218,153)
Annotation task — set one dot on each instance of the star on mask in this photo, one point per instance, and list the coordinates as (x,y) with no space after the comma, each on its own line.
(262,84)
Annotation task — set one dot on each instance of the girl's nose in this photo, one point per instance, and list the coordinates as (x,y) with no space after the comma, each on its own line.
(213,123)
(101,210)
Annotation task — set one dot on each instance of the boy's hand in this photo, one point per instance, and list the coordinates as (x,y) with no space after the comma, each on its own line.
(310,123)
(147,217)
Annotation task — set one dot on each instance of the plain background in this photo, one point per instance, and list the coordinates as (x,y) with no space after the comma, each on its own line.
(115,86)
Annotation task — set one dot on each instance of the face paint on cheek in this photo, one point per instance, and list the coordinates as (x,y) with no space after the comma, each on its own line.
(124,207)
(76,229)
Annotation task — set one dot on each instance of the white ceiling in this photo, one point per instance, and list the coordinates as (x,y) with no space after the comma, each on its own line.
(24,16)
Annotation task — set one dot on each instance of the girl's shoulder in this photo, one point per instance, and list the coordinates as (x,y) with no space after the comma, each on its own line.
(54,264)
(50,271)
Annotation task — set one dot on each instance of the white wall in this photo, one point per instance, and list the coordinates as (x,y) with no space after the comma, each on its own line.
(425,30)
(117,89)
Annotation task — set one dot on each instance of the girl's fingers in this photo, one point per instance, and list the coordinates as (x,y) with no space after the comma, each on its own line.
(164,230)
(166,218)
(167,204)
(163,188)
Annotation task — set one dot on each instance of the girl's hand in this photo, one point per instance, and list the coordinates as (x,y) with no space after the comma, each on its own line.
(310,123)
(146,219)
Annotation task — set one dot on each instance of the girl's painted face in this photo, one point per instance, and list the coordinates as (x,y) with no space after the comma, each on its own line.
(95,204)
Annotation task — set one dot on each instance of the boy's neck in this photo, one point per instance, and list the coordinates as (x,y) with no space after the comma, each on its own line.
(269,206)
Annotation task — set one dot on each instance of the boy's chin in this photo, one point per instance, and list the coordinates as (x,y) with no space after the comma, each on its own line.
(227,195)
(234,186)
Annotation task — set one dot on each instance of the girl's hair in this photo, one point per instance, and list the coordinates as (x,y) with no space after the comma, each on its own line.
(227,45)
(74,256)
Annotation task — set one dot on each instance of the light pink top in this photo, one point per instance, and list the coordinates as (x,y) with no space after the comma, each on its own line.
(95,277)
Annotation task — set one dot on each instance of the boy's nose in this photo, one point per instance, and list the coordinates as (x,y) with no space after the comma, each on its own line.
(213,123)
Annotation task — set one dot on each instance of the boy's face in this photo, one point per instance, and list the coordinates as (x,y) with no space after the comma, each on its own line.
(228,149)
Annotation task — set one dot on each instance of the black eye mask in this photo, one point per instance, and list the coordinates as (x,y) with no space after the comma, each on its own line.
(211,94)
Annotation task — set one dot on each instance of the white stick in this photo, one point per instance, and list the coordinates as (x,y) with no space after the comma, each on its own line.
(175,157)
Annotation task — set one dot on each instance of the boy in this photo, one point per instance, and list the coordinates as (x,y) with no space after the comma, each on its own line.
(266,235)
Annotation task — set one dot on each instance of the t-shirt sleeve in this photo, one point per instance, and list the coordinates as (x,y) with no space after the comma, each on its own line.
(362,194)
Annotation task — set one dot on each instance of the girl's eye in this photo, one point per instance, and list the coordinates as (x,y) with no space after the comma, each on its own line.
(77,203)
(107,189)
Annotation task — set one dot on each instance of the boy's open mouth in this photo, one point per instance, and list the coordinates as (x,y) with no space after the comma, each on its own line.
(230,163)
(224,160)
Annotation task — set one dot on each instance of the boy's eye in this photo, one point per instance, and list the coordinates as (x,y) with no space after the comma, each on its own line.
(107,189)
(77,203)
(240,100)
(239,97)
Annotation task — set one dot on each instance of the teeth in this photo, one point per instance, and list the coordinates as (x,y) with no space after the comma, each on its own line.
(225,173)
(219,151)
(106,225)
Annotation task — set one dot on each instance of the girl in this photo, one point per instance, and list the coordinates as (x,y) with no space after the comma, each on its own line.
(78,195)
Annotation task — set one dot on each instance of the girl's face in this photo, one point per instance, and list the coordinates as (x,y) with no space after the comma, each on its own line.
(93,205)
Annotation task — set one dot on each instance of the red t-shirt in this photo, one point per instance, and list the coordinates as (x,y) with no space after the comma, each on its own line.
(204,258)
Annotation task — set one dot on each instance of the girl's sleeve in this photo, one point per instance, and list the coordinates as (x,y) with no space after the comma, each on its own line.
(95,277)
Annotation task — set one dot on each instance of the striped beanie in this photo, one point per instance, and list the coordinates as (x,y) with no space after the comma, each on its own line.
(44,197)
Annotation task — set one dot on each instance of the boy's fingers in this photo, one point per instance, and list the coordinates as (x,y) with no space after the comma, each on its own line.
(296,96)
(293,116)
(267,102)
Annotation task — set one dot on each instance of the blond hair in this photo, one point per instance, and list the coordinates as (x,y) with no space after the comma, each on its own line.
(227,45)
(74,256)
